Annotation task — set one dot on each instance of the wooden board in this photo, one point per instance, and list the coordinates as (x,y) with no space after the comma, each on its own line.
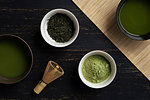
(102,13)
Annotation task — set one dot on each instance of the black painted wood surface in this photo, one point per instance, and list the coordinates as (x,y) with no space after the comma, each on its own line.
(23,18)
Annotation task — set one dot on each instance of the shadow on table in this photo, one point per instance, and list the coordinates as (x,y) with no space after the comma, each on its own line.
(79,87)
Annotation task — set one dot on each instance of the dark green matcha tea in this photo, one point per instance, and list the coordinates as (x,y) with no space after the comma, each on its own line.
(135,16)
(60,28)
(13,60)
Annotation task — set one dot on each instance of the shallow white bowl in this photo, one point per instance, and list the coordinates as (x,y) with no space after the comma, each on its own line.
(105,82)
(44,25)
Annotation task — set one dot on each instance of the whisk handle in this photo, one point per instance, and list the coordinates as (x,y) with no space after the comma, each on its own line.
(39,87)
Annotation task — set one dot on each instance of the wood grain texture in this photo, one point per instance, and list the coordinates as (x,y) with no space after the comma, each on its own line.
(23,18)
(102,13)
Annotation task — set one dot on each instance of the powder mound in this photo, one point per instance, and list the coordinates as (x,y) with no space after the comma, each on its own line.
(96,69)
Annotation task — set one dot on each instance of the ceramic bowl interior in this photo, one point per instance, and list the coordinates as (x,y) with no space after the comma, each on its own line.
(124,31)
(44,27)
(105,82)
(28,56)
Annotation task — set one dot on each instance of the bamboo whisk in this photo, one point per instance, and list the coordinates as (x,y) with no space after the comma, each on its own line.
(52,72)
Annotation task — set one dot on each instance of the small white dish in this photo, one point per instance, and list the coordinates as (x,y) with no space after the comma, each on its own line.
(44,26)
(105,82)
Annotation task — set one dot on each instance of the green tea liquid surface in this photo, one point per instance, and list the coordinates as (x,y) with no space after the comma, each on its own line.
(13,62)
(135,16)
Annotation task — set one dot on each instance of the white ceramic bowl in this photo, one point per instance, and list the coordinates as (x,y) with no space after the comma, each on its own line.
(44,25)
(105,82)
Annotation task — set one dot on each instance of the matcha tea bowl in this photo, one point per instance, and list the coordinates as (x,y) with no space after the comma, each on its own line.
(16,59)
(97,69)
(59,28)
(133,18)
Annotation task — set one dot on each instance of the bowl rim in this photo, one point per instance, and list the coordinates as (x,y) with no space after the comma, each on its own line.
(44,32)
(124,31)
(105,82)
(31,54)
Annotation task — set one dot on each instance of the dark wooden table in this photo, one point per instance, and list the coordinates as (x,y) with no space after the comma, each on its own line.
(23,18)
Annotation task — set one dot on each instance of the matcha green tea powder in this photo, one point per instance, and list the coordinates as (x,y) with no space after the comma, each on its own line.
(96,69)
